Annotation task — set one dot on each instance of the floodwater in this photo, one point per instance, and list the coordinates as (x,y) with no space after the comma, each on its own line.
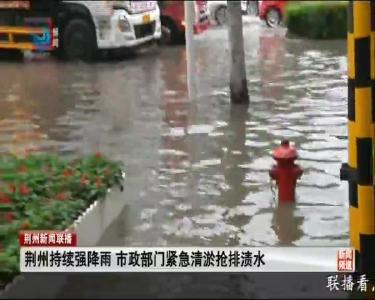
(197,171)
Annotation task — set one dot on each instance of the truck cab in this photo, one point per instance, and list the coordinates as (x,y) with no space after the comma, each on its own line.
(113,24)
(79,29)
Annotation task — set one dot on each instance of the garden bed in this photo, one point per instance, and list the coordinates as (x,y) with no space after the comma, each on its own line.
(317,19)
(44,192)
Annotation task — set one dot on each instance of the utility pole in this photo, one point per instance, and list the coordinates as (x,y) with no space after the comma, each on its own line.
(238,83)
(189,7)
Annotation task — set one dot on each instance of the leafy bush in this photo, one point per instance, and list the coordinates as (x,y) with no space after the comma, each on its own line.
(317,19)
(45,192)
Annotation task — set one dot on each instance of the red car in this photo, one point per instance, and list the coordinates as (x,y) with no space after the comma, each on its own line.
(172,16)
(272,12)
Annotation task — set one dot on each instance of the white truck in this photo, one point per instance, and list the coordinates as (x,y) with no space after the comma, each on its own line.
(78,29)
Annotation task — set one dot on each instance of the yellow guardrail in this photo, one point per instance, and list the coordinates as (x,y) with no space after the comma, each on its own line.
(20,30)
(19,46)
(11,32)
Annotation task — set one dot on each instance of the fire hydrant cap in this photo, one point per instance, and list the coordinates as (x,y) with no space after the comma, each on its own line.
(285,151)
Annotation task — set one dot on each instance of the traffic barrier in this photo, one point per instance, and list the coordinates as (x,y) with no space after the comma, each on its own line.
(359,172)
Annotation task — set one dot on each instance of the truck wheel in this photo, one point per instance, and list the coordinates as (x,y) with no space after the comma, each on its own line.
(79,41)
(166,35)
(170,33)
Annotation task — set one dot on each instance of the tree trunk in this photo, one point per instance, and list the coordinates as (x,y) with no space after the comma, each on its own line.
(238,83)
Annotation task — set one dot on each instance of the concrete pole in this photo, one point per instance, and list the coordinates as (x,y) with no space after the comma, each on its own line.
(190,51)
(238,83)
(359,172)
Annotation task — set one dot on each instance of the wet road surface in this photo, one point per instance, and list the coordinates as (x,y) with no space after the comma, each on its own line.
(197,172)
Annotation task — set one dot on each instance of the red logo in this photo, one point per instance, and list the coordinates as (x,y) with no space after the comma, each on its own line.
(346,260)
(47,238)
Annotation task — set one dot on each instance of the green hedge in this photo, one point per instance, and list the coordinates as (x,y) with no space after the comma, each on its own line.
(317,19)
(47,192)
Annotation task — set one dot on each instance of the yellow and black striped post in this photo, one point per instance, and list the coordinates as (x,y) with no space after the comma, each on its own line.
(359,172)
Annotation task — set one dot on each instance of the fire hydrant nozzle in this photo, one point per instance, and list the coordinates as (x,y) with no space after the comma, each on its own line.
(285,172)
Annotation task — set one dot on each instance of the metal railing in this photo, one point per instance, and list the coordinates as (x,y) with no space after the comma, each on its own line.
(26,38)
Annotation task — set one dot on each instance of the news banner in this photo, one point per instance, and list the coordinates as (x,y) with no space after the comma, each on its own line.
(52,251)
(58,251)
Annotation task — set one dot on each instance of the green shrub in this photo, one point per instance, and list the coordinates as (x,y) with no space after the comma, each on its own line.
(47,192)
(317,19)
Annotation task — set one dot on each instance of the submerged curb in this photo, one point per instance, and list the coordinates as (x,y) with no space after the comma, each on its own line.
(90,227)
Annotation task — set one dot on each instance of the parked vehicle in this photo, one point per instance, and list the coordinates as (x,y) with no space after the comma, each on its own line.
(78,29)
(272,12)
(172,15)
(253,7)
(218,11)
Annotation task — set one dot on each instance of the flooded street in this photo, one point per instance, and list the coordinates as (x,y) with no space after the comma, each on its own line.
(197,172)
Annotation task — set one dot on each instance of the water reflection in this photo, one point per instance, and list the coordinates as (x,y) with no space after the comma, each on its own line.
(287,225)
(272,64)
(175,152)
(236,154)
(26,101)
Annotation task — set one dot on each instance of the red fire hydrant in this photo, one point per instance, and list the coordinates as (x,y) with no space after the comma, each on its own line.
(286,172)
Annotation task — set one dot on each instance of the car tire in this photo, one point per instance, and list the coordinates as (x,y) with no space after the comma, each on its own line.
(221,16)
(79,41)
(252,8)
(273,18)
